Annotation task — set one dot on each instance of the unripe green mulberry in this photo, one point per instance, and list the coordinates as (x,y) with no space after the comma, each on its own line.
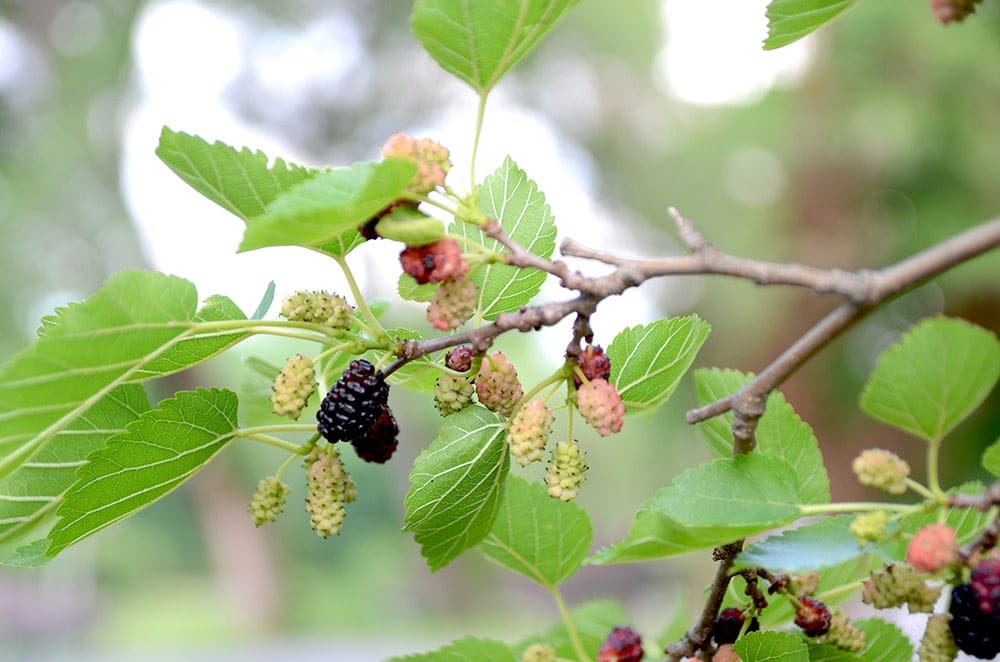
(539,653)
(319,308)
(843,634)
(899,584)
(528,432)
(937,644)
(453,304)
(497,384)
(601,406)
(869,527)
(453,393)
(882,469)
(329,488)
(268,501)
(293,386)
(567,470)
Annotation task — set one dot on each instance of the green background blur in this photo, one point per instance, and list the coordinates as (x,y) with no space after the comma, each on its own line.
(888,143)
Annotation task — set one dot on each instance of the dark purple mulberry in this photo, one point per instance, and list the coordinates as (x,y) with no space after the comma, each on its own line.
(353,404)
(381,441)
(975,611)
(729,624)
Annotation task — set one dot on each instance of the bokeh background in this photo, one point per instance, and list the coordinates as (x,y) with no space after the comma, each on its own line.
(856,147)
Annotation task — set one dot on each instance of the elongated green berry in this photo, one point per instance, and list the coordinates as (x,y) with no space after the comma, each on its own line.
(567,470)
(293,386)
(329,487)
(869,527)
(937,644)
(453,393)
(319,308)
(529,430)
(899,584)
(268,501)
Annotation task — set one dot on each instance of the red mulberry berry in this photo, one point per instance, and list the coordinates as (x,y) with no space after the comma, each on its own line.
(459,358)
(812,616)
(529,431)
(932,548)
(623,645)
(985,582)
(497,384)
(381,441)
(453,304)
(350,408)
(601,406)
(594,364)
(432,159)
(433,263)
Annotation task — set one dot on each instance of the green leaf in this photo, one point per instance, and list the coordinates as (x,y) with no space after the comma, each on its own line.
(265,302)
(884,642)
(709,505)
(239,181)
(648,360)
(764,646)
(791,20)
(32,493)
(155,455)
(88,349)
(463,650)
(329,205)
(31,555)
(826,543)
(930,380)
(593,621)
(480,40)
(540,537)
(830,653)
(780,432)
(515,202)
(457,484)
(411,290)
(991,458)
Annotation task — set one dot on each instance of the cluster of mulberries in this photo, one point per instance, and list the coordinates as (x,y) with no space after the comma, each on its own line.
(497,385)
(539,653)
(356,409)
(328,488)
(268,501)
(882,469)
(453,304)
(899,584)
(434,263)
(319,308)
(601,406)
(937,644)
(812,616)
(623,644)
(293,386)
(869,527)
(975,611)
(453,393)
(952,11)
(566,471)
(934,547)
(593,363)
(432,159)
(529,431)
(843,634)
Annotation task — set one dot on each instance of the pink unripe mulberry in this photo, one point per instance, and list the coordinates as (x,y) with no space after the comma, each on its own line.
(432,159)
(601,406)
(453,304)
(529,430)
(952,11)
(932,548)
(497,385)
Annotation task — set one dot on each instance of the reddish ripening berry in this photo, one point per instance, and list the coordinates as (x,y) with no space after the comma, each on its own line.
(432,159)
(601,406)
(594,364)
(623,645)
(932,548)
(813,616)
(459,359)
(497,384)
(435,262)
(953,11)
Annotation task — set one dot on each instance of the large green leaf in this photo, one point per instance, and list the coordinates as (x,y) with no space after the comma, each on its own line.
(930,380)
(791,20)
(456,485)
(33,492)
(991,458)
(465,650)
(780,432)
(240,181)
(508,196)
(593,622)
(826,543)
(767,646)
(884,642)
(709,505)
(648,360)
(540,537)
(155,454)
(480,40)
(325,210)
(88,349)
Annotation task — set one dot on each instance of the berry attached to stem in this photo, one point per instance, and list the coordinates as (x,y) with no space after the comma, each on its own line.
(497,384)
(293,386)
(328,488)
(268,501)
(350,408)
(601,406)
(319,308)
(529,431)
(623,644)
(567,470)
(812,616)
(882,469)
(934,547)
